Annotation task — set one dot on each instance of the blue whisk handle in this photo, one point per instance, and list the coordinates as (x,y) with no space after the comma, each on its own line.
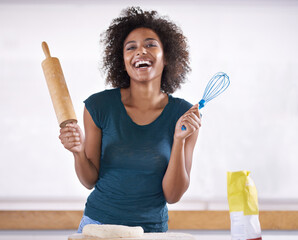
(202,103)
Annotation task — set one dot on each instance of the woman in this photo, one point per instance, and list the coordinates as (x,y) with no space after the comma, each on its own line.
(134,153)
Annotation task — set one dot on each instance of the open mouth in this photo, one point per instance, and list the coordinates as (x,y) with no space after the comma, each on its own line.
(142,64)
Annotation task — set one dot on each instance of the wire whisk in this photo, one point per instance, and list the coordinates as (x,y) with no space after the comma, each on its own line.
(216,85)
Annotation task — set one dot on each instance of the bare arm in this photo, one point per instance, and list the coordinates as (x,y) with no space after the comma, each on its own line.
(177,176)
(86,150)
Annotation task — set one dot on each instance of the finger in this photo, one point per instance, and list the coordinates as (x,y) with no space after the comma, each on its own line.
(76,128)
(71,145)
(69,137)
(69,134)
(63,140)
(196,106)
(193,120)
(73,139)
(67,129)
(194,125)
(189,126)
(193,116)
(73,126)
(63,130)
(195,109)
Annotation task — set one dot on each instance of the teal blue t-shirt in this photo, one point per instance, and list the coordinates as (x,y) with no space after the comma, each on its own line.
(133,161)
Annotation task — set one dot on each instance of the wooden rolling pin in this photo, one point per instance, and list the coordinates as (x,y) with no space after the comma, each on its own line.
(58,89)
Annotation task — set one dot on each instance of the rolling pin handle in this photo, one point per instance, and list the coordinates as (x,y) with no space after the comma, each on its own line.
(45,49)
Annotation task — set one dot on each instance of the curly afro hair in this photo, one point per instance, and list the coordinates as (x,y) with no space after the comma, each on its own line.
(174,46)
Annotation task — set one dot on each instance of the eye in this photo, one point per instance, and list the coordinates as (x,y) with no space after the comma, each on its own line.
(151,45)
(130,48)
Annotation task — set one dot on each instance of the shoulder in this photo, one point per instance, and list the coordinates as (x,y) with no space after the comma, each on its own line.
(105,95)
(100,105)
(102,101)
(180,104)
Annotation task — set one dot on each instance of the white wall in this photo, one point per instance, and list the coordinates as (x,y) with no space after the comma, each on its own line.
(252,126)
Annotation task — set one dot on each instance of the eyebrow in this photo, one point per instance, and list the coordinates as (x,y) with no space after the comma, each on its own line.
(147,39)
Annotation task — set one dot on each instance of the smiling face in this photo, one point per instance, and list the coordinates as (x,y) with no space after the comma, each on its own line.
(143,55)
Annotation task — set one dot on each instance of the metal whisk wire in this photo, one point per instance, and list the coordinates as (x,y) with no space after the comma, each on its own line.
(216,85)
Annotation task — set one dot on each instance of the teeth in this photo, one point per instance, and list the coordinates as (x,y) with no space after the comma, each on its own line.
(138,63)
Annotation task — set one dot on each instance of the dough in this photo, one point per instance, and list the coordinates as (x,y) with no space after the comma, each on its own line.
(112,231)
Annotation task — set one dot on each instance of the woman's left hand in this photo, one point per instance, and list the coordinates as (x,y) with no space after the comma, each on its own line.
(191,120)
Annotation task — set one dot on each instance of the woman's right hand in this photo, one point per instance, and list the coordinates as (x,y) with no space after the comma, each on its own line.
(72,138)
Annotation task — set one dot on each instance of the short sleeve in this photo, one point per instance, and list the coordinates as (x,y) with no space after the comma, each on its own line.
(98,107)
(183,107)
(94,110)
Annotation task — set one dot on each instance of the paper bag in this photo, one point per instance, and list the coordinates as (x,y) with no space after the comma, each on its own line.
(243,205)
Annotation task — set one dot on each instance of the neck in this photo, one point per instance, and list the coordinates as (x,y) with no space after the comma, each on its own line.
(144,96)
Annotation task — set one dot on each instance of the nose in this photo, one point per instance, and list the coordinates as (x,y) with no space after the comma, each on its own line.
(142,51)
